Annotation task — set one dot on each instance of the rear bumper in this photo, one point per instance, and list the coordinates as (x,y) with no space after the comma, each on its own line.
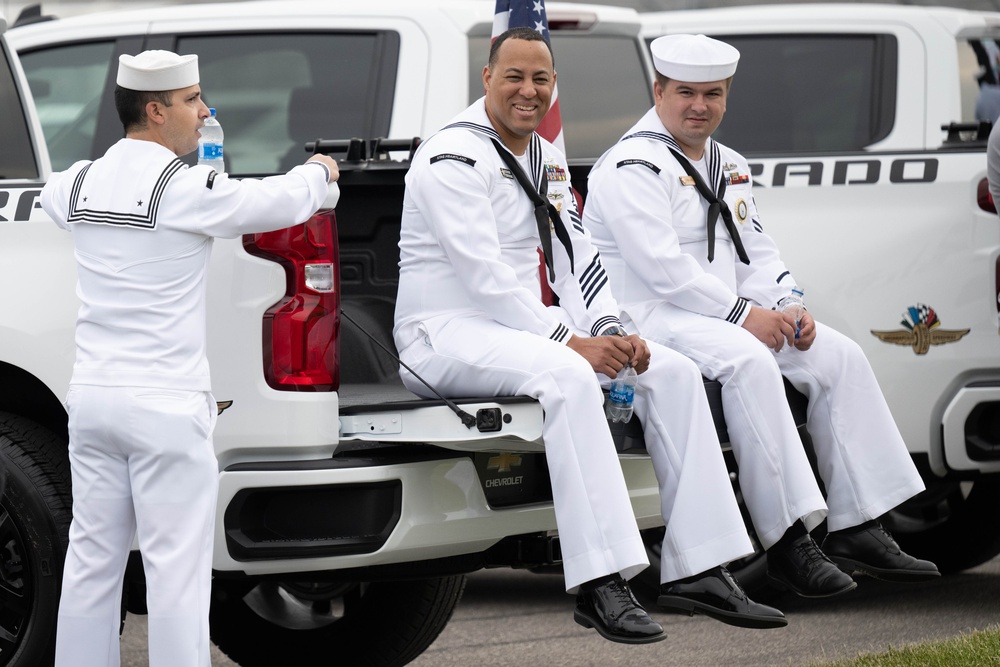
(970,427)
(334,514)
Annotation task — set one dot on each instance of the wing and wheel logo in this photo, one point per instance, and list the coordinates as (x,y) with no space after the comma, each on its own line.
(922,329)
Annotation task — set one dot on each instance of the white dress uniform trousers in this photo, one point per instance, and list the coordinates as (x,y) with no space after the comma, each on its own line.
(470,321)
(140,407)
(649,222)
(140,458)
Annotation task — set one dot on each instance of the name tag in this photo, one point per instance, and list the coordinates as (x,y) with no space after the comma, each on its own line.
(686,180)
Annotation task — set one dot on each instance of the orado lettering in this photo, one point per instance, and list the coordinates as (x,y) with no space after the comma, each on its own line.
(861,170)
(20,204)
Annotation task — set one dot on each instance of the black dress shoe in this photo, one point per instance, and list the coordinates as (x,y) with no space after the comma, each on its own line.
(613,611)
(717,594)
(803,569)
(875,553)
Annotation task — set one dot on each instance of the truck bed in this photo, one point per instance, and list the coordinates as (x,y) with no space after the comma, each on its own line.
(392,395)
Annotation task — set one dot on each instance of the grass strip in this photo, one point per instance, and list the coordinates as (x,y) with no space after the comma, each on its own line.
(977,649)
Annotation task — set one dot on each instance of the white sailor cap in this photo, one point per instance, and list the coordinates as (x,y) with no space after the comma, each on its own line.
(157,71)
(693,58)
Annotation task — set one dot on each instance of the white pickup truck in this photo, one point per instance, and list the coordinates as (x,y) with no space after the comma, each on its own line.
(347,519)
(338,503)
(859,125)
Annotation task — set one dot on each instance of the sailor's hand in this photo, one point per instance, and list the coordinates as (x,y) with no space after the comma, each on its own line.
(770,327)
(807,332)
(330,163)
(640,353)
(606,354)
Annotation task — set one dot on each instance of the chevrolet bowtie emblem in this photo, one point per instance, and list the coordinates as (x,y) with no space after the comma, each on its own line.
(503,462)
(922,330)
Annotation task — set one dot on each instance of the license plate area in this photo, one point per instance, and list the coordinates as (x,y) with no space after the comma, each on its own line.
(511,479)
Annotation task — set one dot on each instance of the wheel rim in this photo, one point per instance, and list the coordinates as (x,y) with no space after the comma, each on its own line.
(16,589)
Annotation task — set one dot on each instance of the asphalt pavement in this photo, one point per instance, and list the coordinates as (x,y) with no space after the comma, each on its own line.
(515,618)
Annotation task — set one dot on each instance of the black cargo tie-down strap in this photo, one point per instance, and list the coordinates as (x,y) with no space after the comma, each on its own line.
(544,210)
(716,202)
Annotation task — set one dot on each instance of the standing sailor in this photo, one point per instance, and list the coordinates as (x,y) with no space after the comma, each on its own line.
(141,412)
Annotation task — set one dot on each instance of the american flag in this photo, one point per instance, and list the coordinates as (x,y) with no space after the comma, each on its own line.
(531,14)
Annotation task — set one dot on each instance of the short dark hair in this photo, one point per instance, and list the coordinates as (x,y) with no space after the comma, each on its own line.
(527,34)
(131,105)
(663,80)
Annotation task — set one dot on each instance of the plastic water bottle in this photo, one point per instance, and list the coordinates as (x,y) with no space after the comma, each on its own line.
(210,144)
(622,395)
(793,305)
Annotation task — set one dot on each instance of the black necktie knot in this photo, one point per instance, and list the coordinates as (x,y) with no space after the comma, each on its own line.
(716,206)
(545,213)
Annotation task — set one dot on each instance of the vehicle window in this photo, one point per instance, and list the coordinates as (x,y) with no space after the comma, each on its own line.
(17,157)
(810,93)
(67,83)
(603,88)
(979,79)
(275,92)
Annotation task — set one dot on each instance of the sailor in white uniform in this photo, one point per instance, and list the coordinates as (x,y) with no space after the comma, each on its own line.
(712,291)
(141,412)
(470,321)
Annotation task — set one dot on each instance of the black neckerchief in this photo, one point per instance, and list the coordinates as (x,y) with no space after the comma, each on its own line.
(716,203)
(544,210)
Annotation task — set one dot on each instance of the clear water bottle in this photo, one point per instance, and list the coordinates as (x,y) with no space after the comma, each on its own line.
(793,305)
(210,144)
(622,395)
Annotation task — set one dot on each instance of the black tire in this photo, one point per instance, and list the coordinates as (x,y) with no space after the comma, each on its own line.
(954,524)
(381,624)
(35,514)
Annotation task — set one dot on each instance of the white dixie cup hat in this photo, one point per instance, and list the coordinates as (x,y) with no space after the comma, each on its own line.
(157,71)
(693,58)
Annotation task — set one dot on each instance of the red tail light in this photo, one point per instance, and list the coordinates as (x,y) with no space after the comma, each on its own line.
(301,331)
(984,198)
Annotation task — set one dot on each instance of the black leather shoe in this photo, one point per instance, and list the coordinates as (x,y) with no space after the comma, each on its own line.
(803,569)
(876,554)
(717,594)
(613,611)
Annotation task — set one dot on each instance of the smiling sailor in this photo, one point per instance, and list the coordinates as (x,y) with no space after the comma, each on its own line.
(141,412)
